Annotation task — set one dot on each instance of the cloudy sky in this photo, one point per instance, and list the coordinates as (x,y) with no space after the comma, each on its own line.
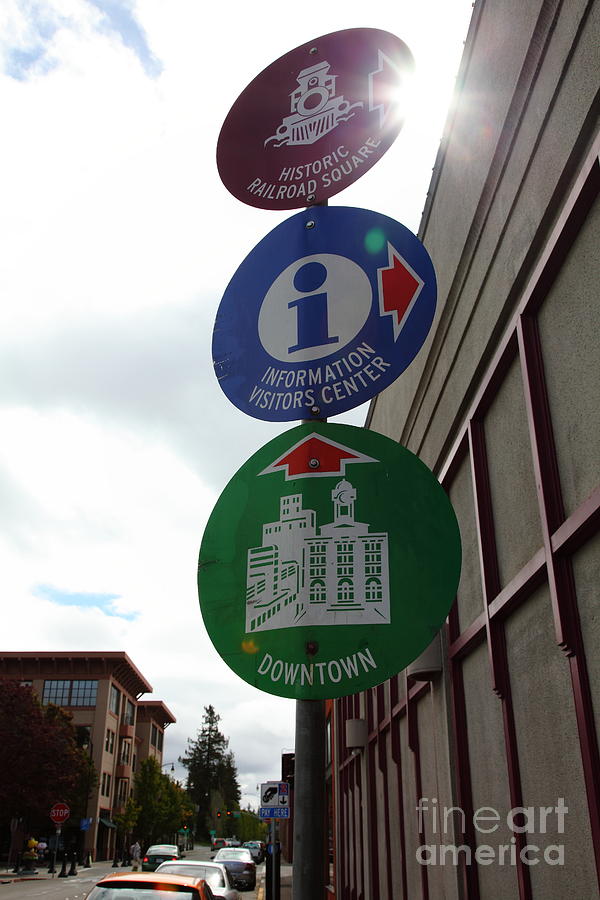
(118,240)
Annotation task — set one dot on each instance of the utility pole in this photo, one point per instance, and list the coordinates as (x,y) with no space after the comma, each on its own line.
(309,801)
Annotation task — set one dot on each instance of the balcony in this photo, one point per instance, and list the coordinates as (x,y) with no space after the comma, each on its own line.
(126,730)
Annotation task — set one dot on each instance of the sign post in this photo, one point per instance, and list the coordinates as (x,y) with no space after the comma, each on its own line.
(330,559)
(59,814)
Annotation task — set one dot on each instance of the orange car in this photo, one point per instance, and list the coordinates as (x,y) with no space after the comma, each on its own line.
(150,886)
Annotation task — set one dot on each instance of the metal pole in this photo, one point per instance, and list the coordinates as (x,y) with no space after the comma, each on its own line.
(309,801)
(275,891)
(308,879)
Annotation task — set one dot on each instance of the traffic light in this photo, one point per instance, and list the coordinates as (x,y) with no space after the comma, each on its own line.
(228,813)
(218,814)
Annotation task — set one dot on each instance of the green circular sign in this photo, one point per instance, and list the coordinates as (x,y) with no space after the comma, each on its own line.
(329,562)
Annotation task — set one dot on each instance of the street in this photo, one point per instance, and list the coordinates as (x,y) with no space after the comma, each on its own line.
(75,887)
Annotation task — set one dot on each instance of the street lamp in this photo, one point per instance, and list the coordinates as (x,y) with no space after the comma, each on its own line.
(169,764)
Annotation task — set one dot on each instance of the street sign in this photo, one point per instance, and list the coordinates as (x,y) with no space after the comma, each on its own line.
(59,813)
(324,313)
(274,793)
(329,562)
(273,812)
(315,120)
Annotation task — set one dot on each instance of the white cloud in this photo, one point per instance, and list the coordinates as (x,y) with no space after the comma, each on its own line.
(118,242)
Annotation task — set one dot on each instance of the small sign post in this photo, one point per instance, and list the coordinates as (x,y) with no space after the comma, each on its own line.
(59,814)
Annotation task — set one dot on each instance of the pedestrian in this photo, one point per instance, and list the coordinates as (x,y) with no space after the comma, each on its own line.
(135,852)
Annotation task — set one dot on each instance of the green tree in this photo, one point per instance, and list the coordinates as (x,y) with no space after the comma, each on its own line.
(250,827)
(163,804)
(212,776)
(126,823)
(227,781)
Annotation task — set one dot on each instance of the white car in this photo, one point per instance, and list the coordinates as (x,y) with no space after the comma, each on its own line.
(214,873)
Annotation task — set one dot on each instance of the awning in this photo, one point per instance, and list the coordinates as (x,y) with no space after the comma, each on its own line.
(107,822)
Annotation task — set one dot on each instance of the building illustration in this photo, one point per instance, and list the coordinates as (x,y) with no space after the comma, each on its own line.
(315,110)
(303,575)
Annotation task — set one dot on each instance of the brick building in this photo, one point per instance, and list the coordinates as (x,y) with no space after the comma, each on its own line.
(102,691)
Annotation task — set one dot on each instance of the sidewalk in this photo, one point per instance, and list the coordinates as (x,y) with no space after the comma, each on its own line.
(97,870)
(286,885)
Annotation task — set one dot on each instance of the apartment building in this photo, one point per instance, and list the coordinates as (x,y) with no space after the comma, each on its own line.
(102,692)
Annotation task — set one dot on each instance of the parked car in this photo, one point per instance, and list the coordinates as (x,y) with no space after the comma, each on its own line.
(214,873)
(240,865)
(157,854)
(256,849)
(140,886)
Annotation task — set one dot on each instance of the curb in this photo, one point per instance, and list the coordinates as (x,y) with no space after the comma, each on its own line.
(18,878)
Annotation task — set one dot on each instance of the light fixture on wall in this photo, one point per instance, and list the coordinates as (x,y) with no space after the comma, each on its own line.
(356,735)
(428,665)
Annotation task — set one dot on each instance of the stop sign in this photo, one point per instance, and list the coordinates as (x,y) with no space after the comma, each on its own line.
(59,813)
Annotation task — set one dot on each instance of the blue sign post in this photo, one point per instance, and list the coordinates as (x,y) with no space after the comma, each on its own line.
(324,313)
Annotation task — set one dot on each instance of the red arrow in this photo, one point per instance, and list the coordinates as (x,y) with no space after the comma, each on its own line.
(399,287)
(315,455)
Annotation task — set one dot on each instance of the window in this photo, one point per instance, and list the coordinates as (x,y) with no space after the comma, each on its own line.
(125,754)
(83,735)
(317,592)
(56,692)
(70,693)
(83,693)
(160,741)
(122,791)
(115,700)
(345,591)
(373,589)
(128,713)
(105,784)
(154,736)
(109,743)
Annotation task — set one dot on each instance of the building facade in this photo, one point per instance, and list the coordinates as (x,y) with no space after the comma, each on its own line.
(102,693)
(304,574)
(475,773)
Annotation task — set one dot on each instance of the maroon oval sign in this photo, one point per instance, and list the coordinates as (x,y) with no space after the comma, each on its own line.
(315,120)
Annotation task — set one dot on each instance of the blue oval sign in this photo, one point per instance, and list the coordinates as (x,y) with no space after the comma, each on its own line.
(324,313)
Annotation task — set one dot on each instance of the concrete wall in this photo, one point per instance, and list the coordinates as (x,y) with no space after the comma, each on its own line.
(502,404)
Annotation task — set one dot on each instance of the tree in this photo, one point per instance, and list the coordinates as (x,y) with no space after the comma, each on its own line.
(227,781)
(38,747)
(212,776)
(163,804)
(126,822)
